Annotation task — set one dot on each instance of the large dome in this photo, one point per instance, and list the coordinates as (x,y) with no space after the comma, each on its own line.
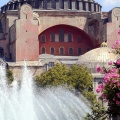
(84,5)
(97,57)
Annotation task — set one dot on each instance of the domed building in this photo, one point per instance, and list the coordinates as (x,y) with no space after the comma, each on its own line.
(29,28)
(98,57)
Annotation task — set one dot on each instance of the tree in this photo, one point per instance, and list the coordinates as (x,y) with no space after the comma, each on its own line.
(76,77)
(53,77)
(98,113)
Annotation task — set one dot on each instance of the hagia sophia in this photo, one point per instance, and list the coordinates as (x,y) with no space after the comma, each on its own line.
(29,28)
(44,32)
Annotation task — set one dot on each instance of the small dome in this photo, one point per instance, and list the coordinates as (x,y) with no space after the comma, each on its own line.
(104,44)
(97,57)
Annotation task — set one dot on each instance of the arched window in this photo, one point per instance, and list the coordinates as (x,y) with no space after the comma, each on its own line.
(43,50)
(61,51)
(79,39)
(69,37)
(45,4)
(52,36)
(70,51)
(61,4)
(61,35)
(52,50)
(1,52)
(53,3)
(88,49)
(43,38)
(79,51)
(69,4)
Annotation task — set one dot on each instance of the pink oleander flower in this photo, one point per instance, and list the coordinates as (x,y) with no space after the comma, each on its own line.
(114,99)
(118,84)
(116,44)
(118,102)
(107,77)
(99,69)
(114,75)
(103,96)
(119,32)
(110,62)
(118,95)
(99,90)
(114,81)
(118,62)
(100,85)
(114,70)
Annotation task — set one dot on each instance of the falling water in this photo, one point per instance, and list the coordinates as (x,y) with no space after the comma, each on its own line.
(21,101)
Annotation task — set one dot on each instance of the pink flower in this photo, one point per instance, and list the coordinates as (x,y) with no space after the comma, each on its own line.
(118,62)
(114,70)
(99,69)
(114,75)
(119,32)
(100,85)
(118,102)
(118,84)
(118,94)
(107,77)
(114,81)
(98,90)
(103,96)
(110,62)
(116,44)
(114,99)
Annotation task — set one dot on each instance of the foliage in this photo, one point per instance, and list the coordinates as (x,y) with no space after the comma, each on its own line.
(110,90)
(98,113)
(76,77)
(53,77)
(9,75)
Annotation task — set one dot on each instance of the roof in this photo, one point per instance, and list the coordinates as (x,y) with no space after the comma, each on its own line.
(97,57)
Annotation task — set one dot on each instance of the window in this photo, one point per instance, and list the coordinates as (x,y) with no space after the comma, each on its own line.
(69,37)
(43,50)
(45,4)
(61,35)
(70,51)
(52,50)
(61,4)
(52,37)
(61,51)
(69,4)
(1,52)
(43,39)
(88,49)
(79,51)
(50,64)
(79,39)
(53,4)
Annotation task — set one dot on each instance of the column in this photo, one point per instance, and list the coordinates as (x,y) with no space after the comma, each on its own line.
(87,7)
(73,4)
(65,4)
(92,7)
(80,5)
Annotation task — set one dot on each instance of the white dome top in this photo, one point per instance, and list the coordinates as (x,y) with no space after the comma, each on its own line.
(97,57)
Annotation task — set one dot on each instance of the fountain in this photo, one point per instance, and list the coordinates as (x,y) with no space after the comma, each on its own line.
(22,101)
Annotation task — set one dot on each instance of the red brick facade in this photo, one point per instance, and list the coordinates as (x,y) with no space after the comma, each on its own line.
(79,40)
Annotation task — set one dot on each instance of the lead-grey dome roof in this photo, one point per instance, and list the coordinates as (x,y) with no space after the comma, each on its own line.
(97,57)
(82,5)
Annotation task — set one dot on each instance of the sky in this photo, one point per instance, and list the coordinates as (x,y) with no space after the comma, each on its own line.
(107,5)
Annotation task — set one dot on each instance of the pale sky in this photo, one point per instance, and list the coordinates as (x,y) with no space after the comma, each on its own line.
(107,5)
